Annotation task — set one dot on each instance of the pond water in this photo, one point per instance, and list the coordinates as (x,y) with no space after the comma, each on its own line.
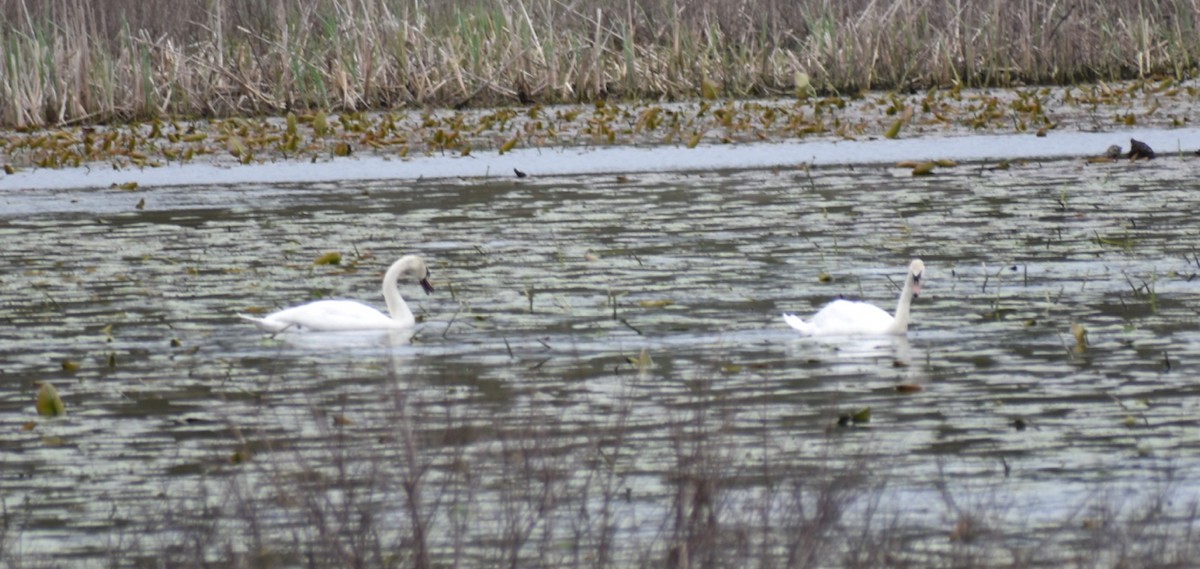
(602,375)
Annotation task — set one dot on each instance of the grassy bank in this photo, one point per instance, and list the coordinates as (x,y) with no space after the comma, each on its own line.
(96,61)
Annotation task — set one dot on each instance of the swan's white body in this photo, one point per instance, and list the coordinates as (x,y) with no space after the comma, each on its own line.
(348,315)
(848,318)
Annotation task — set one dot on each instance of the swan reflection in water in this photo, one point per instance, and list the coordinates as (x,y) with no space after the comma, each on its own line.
(351,340)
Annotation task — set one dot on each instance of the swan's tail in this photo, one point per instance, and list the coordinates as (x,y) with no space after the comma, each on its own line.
(264,324)
(799,324)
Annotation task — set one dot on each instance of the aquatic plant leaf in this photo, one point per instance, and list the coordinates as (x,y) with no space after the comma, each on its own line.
(330,258)
(648,119)
(709,89)
(862,415)
(655,303)
(1125,242)
(1080,335)
(894,130)
(69,365)
(236,146)
(644,363)
(923,169)
(320,124)
(341,149)
(49,404)
(908,388)
(510,143)
(802,85)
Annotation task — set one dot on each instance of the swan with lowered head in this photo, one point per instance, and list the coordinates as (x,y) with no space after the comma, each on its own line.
(350,315)
(848,318)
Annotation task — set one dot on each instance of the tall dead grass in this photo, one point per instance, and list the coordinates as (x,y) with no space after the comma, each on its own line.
(81,61)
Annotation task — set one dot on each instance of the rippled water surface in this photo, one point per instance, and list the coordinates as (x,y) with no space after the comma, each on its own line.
(628,326)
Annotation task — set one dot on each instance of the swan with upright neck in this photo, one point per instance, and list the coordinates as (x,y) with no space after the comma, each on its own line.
(848,318)
(351,315)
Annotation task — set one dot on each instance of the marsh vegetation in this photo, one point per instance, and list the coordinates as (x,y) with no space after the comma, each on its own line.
(93,61)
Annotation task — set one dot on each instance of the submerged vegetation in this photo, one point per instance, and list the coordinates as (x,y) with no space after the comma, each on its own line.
(93,61)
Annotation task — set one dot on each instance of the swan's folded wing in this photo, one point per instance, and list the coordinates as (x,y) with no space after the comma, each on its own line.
(845,317)
(333,316)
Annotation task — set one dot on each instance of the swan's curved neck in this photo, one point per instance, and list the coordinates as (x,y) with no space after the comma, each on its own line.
(900,325)
(397,308)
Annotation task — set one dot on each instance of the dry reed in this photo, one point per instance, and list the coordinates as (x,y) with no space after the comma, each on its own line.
(96,61)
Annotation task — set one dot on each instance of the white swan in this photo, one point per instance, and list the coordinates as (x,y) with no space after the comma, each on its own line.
(847,318)
(347,315)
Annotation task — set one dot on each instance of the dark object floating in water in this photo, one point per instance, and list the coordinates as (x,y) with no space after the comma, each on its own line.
(1113,152)
(1139,149)
(519,173)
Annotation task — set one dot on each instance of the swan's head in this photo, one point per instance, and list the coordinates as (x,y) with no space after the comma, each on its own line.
(411,266)
(915,270)
(418,270)
(428,288)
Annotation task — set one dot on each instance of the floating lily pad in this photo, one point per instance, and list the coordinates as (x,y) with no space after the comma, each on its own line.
(655,303)
(861,416)
(49,404)
(923,169)
(330,258)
